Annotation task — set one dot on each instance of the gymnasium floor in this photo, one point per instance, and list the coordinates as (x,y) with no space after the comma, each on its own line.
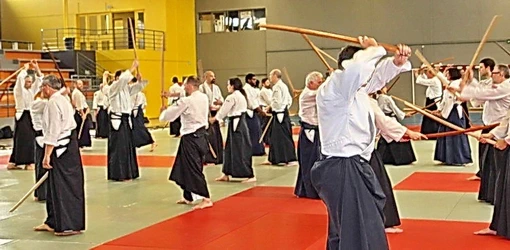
(438,207)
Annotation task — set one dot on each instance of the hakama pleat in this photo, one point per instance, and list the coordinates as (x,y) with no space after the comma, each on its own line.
(216,141)
(188,165)
(102,123)
(238,150)
(40,192)
(487,165)
(23,141)
(175,127)
(255,133)
(281,149)
(65,202)
(396,153)
(429,126)
(466,115)
(391,216)
(355,202)
(140,133)
(84,139)
(308,153)
(501,216)
(122,161)
(453,150)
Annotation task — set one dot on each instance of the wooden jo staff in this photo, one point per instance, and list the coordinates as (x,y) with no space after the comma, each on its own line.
(439,120)
(11,76)
(453,133)
(317,52)
(425,108)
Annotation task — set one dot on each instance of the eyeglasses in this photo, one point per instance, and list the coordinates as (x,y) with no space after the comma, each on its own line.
(496,72)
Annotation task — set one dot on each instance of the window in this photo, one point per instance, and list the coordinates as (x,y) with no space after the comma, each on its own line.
(231,21)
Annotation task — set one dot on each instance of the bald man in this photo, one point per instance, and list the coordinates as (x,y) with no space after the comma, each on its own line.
(213,92)
(82,115)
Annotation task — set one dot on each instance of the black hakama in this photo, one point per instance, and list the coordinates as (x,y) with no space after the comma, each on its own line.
(216,141)
(65,200)
(355,202)
(40,192)
(188,166)
(487,173)
(282,148)
(175,127)
(453,150)
(255,133)
(308,153)
(466,114)
(396,153)
(122,161)
(102,123)
(23,140)
(83,126)
(140,134)
(238,150)
(501,216)
(429,126)
(391,217)
(264,120)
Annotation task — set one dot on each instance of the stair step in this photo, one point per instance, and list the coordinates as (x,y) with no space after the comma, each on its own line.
(43,63)
(66,73)
(15,54)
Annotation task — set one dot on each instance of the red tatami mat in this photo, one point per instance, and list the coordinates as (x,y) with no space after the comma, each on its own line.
(272,218)
(143,161)
(438,181)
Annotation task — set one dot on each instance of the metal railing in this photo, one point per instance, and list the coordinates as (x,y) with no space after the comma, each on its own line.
(101,39)
(87,68)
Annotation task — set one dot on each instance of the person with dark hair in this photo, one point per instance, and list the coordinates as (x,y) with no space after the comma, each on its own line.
(213,92)
(266,94)
(433,94)
(65,200)
(238,149)
(177,88)
(82,115)
(308,149)
(485,70)
(452,150)
(122,160)
(187,171)
(281,148)
(253,112)
(24,90)
(496,99)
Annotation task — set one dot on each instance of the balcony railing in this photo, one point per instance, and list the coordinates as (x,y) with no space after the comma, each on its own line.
(104,39)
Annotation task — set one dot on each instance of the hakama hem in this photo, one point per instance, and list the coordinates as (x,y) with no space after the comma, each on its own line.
(308,153)
(238,150)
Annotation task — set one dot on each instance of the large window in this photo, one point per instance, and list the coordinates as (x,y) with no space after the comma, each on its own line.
(231,21)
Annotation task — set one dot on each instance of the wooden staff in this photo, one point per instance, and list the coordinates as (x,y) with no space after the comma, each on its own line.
(503,48)
(11,76)
(388,47)
(265,129)
(393,84)
(307,39)
(163,71)
(440,61)
(422,58)
(480,46)
(453,133)
(38,184)
(439,120)
(425,108)
(133,39)
(327,55)
(288,79)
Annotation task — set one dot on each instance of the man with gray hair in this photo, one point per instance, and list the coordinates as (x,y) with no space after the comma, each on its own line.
(308,149)
(281,148)
(65,200)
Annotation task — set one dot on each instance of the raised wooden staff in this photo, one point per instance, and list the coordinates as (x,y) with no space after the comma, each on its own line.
(307,39)
(393,84)
(133,39)
(327,55)
(453,133)
(440,61)
(425,108)
(11,76)
(439,120)
(388,47)
(503,48)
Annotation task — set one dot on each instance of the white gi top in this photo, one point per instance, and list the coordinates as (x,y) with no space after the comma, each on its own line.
(495,96)
(213,93)
(503,130)
(23,96)
(137,100)
(175,88)
(281,97)
(308,106)
(235,105)
(449,100)
(388,107)
(266,95)
(347,122)
(58,122)
(99,99)
(389,128)
(120,92)
(434,85)
(253,95)
(192,109)
(79,99)
(106,101)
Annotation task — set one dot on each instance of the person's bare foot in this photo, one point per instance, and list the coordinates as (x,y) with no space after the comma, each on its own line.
(293,163)
(222,178)
(68,233)
(43,228)
(184,202)
(12,166)
(204,204)
(30,167)
(154,145)
(473,178)
(253,179)
(393,230)
(266,163)
(486,231)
